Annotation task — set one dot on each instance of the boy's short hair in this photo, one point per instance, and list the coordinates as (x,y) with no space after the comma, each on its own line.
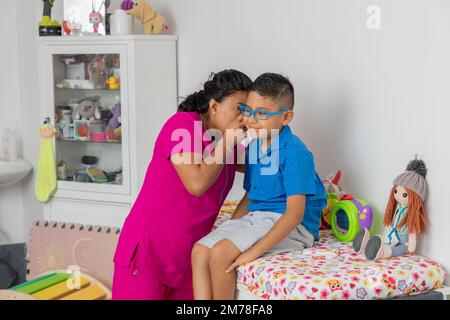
(275,86)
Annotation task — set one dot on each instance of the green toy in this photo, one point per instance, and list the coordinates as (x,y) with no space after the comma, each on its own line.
(45,184)
(47,27)
(348,217)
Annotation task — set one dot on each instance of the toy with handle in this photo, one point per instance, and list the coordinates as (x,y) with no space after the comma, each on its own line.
(348,217)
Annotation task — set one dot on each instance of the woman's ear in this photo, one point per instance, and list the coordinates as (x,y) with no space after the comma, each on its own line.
(287,117)
(213,106)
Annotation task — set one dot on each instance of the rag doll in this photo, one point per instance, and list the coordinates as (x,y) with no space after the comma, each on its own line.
(404,217)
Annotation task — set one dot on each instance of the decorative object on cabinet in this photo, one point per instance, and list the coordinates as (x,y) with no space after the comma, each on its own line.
(152,21)
(86,17)
(95,17)
(116,119)
(87,109)
(97,175)
(81,129)
(47,27)
(113,83)
(46,174)
(126,4)
(121,22)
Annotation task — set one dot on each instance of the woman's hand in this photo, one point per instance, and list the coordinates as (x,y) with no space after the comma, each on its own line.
(245,257)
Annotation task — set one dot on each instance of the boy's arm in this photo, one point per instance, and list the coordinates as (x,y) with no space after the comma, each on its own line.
(295,209)
(241,209)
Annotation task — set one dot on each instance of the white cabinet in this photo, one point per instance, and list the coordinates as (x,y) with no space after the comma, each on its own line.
(102,156)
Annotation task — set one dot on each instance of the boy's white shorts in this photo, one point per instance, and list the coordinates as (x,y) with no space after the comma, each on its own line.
(246,231)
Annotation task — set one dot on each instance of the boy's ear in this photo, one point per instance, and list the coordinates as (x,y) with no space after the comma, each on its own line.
(287,117)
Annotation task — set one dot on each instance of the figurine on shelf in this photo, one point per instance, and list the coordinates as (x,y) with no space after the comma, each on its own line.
(113,83)
(67,27)
(81,130)
(95,17)
(153,22)
(47,27)
(87,109)
(114,129)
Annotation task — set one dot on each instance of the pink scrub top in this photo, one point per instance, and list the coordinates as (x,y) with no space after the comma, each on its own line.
(166,220)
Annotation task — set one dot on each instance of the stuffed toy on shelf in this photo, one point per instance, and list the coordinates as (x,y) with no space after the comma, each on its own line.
(87,109)
(404,217)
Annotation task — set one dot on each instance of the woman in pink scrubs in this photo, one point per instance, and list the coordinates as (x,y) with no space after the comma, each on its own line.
(185,185)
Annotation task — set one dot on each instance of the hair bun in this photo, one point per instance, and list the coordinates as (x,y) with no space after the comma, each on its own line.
(417,166)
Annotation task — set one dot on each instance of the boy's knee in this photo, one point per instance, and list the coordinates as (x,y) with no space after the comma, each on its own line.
(223,252)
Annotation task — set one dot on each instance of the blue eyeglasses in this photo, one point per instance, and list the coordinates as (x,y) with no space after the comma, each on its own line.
(259,114)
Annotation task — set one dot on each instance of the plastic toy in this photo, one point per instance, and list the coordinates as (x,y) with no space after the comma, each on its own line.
(113,83)
(116,119)
(333,190)
(332,183)
(153,22)
(404,217)
(348,217)
(126,5)
(47,27)
(95,17)
(81,130)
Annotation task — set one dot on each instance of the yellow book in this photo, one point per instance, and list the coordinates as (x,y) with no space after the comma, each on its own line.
(60,290)
(93,292)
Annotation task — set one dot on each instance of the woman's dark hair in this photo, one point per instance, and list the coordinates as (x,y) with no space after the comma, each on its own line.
(219,86)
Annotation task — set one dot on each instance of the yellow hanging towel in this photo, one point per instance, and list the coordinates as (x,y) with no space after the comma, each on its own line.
(46,174)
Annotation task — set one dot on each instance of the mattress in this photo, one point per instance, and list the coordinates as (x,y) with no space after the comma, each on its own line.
(331,270)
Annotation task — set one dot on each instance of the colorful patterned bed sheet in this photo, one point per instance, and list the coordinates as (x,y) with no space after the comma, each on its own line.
(331,270)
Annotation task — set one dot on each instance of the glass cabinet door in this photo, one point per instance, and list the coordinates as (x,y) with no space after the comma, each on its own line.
(87,93)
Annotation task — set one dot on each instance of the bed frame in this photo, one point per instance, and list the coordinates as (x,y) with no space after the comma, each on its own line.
(442,293)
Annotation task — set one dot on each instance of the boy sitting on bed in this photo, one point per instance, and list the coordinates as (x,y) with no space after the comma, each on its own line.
(282,206)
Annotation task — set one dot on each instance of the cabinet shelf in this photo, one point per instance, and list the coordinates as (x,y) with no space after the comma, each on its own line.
(95,89)
(77,140)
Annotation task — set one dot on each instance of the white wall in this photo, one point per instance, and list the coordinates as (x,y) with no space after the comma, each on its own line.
(367,100)
(11,211)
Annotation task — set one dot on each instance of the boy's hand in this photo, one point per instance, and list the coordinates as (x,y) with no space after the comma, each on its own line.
(245,257)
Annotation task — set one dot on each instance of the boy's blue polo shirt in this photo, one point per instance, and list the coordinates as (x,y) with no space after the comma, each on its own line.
(285,169)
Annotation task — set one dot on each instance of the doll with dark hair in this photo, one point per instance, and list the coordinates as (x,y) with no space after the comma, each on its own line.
(404,216)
